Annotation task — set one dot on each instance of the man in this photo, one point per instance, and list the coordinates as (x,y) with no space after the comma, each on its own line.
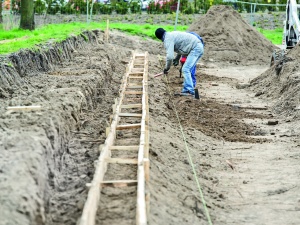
(184,44)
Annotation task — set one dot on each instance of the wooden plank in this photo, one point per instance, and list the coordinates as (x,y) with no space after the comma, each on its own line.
(125,148)
(135,77)
(119,183)
(115,183)
(137,73)
(141,217)
(133,99)
(107,30)
(133,92)
(24,108)
(147,169)
(121,160)
(131,106)
(128,126)
(135,84)
(135,87)
(130,115)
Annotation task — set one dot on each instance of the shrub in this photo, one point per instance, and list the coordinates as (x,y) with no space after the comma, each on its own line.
(135,7)
(39,6)
(121,8)
(189,9)
(105,9)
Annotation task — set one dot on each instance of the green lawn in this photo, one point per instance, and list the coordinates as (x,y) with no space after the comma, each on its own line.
(13,40)
(275,36)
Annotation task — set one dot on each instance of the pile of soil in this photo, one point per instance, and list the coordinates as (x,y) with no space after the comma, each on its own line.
(281,82)
(229,38)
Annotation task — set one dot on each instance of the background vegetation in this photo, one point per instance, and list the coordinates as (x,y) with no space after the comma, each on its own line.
(13,40)
(134,6)
(16,39)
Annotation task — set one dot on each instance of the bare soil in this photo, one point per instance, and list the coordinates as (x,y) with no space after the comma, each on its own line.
(248,169)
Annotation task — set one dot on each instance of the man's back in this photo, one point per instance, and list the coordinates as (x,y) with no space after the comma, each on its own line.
(180,42)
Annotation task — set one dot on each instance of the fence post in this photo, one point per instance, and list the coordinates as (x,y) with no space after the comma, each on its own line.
(177,12)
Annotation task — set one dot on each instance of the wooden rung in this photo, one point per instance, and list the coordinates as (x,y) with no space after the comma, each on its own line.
(119,183)
(130,114)
(116,183)
(139,72)
(131,106)
(125,148)
(19,108)
(133,99)
(135,84)
(121,160)
(135,87)
(128,126)
(133,92)
(135,77)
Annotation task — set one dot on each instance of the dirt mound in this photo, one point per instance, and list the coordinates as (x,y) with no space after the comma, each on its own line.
(229,38)
(281,82)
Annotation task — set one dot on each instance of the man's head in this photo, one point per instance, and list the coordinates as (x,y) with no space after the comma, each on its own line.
(159,33)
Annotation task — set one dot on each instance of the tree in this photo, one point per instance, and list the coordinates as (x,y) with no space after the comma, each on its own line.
(27,15)
(1,18)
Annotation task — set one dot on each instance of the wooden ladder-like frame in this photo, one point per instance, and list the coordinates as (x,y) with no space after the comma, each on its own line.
(135,78)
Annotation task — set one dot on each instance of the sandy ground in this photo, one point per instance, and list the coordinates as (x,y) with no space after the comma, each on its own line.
(263,187)
(244,182)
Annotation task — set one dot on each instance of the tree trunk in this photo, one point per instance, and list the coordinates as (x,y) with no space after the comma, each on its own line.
(1,18)
(27,15)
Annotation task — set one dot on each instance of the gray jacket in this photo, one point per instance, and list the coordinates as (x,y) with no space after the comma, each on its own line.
(180,42)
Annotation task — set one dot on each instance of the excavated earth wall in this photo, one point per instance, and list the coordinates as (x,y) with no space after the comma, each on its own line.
(43,163)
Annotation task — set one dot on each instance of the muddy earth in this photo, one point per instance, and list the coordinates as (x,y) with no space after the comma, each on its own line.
(241,137)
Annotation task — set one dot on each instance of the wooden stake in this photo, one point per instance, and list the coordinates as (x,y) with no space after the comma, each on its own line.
(107,30)
(24,108)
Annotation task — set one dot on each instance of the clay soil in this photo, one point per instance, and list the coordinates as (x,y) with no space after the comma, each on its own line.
(244,147)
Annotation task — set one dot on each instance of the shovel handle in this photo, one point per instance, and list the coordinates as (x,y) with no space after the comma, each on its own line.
(159,74)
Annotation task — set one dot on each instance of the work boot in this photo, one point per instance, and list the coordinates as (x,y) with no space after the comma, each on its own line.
(184,94)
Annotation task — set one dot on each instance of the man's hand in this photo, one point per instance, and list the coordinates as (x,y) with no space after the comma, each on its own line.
(175,62)
(166,71)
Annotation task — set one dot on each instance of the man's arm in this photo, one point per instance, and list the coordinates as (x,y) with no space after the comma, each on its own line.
(170,54)
(176,60)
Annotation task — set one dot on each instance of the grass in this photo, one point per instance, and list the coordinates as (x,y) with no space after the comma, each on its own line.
(14,40)
(275,36)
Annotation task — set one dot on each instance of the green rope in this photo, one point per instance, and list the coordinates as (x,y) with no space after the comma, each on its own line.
(190,157)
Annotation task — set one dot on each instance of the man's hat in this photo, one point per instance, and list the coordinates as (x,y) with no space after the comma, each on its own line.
(159,33)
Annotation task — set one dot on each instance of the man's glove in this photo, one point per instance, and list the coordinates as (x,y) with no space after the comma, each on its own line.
(175,62)
(166,71)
